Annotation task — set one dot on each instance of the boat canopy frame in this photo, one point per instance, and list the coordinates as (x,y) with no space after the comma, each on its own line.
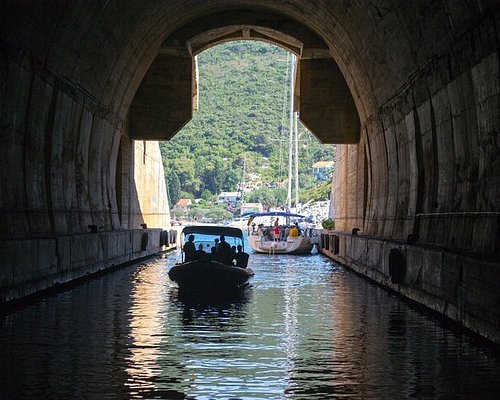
(213,230)
(272,214)
(287,215)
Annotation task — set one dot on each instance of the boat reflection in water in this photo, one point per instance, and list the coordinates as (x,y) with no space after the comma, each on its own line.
(203,299)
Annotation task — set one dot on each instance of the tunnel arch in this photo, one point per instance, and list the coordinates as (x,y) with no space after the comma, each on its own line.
(323,98)
(424,80)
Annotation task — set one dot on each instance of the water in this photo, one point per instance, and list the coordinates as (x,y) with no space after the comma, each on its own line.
(305,329)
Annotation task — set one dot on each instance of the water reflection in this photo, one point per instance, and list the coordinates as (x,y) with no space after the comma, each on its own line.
(146,321)
(304,329)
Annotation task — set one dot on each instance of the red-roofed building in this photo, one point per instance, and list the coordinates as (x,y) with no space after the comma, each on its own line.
(183,204)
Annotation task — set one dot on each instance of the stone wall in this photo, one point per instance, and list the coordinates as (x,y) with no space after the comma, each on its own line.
(150,183)
(33,265)
(73,186)
(428,163)
(423,184)
(462,287)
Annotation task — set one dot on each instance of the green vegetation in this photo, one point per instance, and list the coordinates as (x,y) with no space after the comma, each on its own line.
(204,211)
(268,197)
(318,192)
(242,116)
(328,223)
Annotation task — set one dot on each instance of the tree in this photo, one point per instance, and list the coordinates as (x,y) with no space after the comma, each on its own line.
(269,198)
(206,195)
(174,188)
(218,214)
(240,116)
(185,168)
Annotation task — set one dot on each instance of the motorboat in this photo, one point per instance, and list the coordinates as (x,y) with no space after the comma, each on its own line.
(262,239)
(209,271)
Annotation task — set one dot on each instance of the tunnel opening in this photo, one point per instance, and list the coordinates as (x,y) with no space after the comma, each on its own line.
(169,92)
(238,139)
(164,100)
(81,81)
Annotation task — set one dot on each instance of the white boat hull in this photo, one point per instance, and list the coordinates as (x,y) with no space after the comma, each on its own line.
(298,245)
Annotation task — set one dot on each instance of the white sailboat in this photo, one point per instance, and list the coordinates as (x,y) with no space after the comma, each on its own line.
(263,241)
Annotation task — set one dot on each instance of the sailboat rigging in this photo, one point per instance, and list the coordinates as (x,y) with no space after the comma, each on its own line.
(293,140)
(284,239)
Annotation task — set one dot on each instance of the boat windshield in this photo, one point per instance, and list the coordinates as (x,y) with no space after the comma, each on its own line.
(206,236)
(208,241)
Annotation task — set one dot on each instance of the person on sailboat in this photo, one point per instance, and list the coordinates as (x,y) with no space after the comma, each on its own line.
(276,230)
(294,232)
(260,230)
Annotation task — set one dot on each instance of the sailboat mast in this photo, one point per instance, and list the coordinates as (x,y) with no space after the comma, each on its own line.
(242,184)
(290,133)
(296,155)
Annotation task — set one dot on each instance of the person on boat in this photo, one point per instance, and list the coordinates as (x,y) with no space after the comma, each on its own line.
(287,232)
(224,251)
(216,241)
(200,253)
(260,230)
(266,232)
(276,230)
(241,257)
(213,254)
(298,228)
(294,231)
(189,249)
(282,233)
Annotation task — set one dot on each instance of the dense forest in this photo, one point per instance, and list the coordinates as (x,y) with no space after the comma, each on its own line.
(241,124)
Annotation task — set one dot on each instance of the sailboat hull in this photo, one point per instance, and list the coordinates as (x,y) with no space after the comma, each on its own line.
(298,245)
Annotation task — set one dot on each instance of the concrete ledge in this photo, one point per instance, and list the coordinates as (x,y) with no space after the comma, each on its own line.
(462,287)
(31,265)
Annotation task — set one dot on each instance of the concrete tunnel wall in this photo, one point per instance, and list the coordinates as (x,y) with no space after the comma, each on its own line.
(74,190)
(423,184)
(425,175)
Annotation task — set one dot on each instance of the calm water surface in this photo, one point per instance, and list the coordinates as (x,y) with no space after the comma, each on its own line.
(305,329)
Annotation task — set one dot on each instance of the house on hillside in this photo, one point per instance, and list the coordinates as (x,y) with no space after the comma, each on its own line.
(183,204)
(323,170)
(229,198)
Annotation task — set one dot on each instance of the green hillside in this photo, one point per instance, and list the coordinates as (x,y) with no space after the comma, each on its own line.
(242,116)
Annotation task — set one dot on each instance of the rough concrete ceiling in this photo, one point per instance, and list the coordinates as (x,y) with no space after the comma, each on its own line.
(323,98)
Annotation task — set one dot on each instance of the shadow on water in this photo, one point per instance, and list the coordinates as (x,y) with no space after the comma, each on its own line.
(201,300)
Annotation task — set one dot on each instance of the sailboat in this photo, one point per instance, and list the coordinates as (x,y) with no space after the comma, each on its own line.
(262,239)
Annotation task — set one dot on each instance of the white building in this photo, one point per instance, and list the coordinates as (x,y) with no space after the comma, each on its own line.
(323,170)
(251,207)
(231,198)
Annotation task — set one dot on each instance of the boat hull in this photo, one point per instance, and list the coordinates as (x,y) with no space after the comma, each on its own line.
(298,245)
(209,275)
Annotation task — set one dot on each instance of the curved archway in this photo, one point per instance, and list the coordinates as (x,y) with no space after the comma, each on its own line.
(423,78)
(323,98)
